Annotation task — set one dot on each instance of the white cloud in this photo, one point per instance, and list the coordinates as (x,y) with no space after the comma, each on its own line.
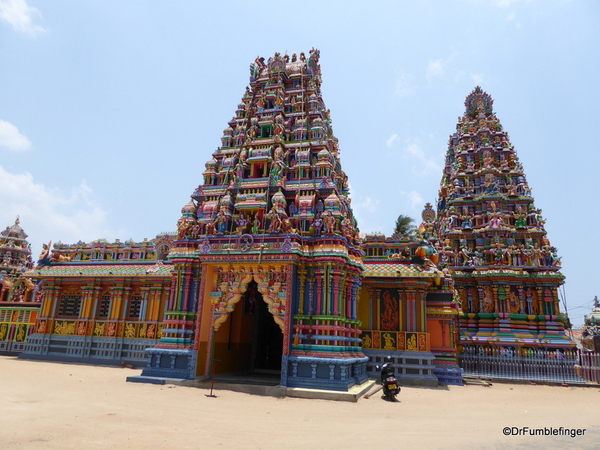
(12,139)
(415,199)
(403,87)
(426,165)
(366,211)
(48,213)
(435,68)
(19,15)
(477,78)
(393,138)
(365,204)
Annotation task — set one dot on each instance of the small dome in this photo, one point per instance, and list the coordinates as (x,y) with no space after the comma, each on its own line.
(333,202)
(189,210)
(211,165)
(14,231)
(323,155)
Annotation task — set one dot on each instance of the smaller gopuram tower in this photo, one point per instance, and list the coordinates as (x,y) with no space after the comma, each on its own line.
(493,240)
(267,264)
(15,251)
(18,300)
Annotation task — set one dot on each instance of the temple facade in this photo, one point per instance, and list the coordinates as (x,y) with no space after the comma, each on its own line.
(266,273)
(493,241)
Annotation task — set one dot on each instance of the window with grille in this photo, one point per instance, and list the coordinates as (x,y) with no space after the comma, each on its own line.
(70,306)
(104,307)
(23,316)
(134,307)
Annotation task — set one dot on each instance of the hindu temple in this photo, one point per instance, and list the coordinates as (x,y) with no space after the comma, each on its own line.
(268,273)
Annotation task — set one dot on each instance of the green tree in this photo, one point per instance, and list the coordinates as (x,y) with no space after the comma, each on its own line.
(404,225)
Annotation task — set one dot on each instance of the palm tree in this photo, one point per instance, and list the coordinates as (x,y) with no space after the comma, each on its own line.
(404,225)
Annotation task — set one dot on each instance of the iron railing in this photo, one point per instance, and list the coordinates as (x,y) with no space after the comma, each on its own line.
(589,369)
(530,365)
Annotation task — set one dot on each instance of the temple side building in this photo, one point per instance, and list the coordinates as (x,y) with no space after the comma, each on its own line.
(101,302)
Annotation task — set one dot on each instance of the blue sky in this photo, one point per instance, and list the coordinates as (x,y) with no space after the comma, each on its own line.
(110,109)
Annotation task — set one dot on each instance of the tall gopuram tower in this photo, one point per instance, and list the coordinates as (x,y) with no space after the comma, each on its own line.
(493,240)
(266,263)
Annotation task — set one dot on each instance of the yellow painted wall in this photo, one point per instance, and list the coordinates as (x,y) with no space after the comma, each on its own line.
(363,308)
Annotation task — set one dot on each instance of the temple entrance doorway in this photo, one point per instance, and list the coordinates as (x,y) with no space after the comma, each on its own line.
(248,347)
(267,339)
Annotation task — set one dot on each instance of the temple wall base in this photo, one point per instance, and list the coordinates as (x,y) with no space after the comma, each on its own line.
(12,348)
(412,368)
(170,363)
(331,374)
(87,349)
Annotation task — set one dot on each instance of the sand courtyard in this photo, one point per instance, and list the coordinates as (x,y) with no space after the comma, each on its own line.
(67,406)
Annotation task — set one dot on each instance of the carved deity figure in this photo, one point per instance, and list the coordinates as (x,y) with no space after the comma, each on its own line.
(242,223)
(488,300)
(329,222)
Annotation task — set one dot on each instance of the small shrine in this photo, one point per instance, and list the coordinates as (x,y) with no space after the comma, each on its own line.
(15,251)
(590,337)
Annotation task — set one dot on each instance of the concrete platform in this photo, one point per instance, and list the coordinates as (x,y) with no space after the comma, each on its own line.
(261,385)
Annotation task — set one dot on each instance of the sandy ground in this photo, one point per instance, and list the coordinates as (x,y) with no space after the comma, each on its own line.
(63,406)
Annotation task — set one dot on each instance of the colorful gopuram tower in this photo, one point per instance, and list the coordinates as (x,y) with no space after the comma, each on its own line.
(19,303)
(267,265)
(15,251)
(493,240)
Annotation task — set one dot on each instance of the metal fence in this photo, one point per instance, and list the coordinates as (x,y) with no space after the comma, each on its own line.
(589,369)
(530,365)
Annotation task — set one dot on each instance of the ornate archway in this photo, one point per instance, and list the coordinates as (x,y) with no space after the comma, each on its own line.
(232,282)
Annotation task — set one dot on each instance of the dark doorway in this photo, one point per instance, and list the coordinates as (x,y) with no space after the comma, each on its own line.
(266,337)
(268,340)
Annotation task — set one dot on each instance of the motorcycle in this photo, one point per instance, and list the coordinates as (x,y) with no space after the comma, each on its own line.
(389,381)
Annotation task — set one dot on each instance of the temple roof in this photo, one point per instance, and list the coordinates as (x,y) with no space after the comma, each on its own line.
(399,270)
(103,270)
